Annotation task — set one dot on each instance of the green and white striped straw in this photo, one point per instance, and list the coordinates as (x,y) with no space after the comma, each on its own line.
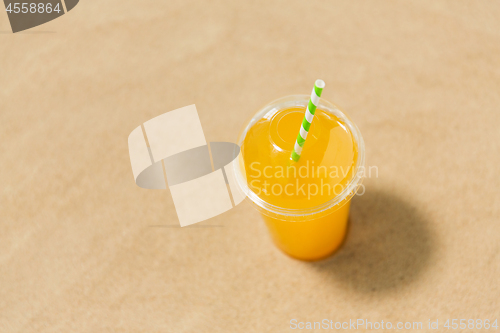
(308,118)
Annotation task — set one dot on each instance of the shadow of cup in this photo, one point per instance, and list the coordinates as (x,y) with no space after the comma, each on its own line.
(389,244)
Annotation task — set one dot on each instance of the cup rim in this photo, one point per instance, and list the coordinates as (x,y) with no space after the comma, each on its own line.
(341,198)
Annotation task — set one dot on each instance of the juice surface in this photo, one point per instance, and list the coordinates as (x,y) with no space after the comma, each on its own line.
(323,171)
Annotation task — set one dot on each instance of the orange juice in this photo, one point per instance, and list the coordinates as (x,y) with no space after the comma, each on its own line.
(305,204)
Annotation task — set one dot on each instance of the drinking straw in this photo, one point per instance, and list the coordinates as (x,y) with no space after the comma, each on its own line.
(308,118)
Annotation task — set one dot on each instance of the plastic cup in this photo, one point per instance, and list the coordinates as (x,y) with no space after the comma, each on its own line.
(306,233)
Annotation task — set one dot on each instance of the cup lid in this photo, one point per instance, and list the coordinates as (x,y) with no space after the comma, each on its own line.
(291,214)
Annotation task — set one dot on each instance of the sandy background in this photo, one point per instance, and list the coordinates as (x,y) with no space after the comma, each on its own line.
(83,249)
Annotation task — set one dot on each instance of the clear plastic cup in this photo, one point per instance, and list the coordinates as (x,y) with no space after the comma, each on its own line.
(310,233)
